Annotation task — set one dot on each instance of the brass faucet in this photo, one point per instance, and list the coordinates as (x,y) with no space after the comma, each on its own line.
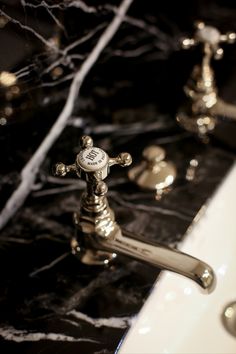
(203,106)
(100,238)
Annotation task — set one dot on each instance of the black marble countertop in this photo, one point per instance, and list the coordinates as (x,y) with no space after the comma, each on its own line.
(49,301)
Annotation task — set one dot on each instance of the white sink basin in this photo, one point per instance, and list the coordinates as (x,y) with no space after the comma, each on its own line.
(177,317)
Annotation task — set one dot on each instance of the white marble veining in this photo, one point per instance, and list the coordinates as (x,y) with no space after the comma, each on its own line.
(15,335)
(113,322)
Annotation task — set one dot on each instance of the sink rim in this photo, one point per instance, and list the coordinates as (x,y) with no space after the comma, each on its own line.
(160,309)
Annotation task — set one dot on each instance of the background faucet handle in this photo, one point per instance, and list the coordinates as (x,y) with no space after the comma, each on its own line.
(209,36)
(229,37)
(188,43)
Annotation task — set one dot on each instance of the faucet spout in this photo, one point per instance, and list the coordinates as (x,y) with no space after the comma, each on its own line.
(165,258)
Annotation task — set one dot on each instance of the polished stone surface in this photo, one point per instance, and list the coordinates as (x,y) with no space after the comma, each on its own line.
(45,291)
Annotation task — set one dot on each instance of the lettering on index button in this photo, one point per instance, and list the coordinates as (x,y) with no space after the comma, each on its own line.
(92,159)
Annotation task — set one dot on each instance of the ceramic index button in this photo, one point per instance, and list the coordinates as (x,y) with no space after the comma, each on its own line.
(92,159)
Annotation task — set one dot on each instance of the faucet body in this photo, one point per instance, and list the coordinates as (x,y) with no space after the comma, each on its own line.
(99,238)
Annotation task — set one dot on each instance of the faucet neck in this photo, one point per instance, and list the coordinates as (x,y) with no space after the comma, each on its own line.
(95,217)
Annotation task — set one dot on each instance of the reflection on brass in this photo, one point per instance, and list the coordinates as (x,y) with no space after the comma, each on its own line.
(154,172)
(99,238)
(54,48)
(3,21)
(3,121)
(191,170)
(8,110)
(55,40)
(9,91)
(57,72)
(12,92)
(229,318)
(199,114)
(7,79)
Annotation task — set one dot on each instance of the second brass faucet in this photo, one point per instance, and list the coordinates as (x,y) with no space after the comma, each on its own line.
(99,238)
(200,114)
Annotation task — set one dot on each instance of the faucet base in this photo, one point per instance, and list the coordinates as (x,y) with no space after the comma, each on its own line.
(205,121)
(200,124)
(91,256)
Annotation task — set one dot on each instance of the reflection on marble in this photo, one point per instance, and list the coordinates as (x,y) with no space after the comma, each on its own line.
(49,301)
